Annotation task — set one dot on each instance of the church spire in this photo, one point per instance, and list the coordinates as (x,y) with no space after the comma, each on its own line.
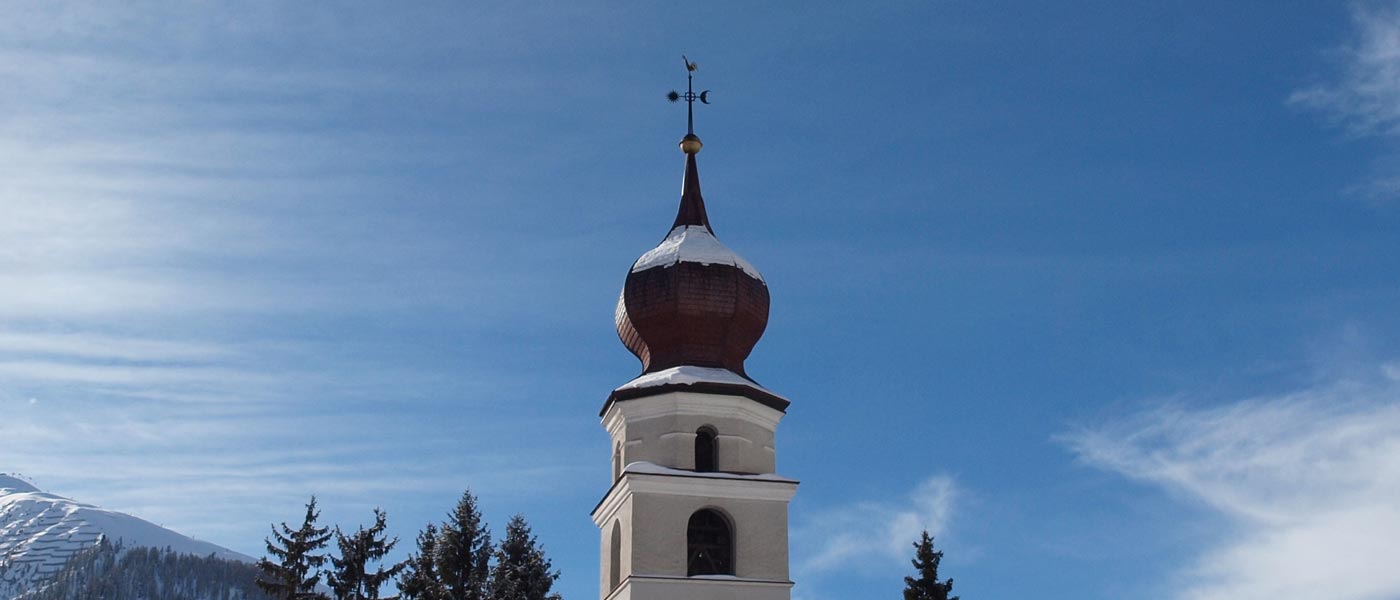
(692,209)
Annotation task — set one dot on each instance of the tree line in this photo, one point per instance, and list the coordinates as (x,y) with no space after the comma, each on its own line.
(106,571)
(455,560)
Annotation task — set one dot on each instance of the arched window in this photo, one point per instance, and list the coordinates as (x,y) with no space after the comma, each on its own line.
(706,450)
(615,557)
(617,461)
(709,544)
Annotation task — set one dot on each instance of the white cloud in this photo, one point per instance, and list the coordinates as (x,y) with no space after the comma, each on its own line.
(1366,98)
(872,535)
(1309,482)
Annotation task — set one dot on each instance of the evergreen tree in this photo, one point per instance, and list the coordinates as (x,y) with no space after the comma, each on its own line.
(419,580)
(350,576)
(295,575)
(927,586)
(522,572)
(464,552)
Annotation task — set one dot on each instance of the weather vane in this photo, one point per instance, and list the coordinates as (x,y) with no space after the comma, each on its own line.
(690,97)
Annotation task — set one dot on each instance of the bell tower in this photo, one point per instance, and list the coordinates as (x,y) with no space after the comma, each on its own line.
(696,510)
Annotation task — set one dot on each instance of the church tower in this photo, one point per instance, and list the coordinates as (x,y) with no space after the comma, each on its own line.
(696,510)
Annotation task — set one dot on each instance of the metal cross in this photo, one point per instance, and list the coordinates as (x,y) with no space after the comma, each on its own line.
(689,96)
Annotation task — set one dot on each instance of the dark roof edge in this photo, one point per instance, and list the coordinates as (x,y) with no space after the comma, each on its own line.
(760,396)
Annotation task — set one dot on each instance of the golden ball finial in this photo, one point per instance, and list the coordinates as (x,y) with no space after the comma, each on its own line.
(690,144)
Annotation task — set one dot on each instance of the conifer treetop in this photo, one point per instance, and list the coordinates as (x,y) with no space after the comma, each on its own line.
(522,572)
(296,572)
(927,586)
(464,552)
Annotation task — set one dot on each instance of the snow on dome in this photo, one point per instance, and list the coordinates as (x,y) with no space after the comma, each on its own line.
(692,244)
(690,375)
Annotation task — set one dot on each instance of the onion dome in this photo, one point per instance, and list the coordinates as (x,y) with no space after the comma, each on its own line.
(691,306)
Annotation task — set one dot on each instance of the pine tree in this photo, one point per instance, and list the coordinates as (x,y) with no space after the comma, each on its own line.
(927,586)
(295,575)
(464,552)
(346,576)
(522,572)
(350,576)
(419,581)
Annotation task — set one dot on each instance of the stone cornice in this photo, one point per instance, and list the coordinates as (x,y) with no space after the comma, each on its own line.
(697,485)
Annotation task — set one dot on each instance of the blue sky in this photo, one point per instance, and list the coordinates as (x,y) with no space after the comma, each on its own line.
(1103,293)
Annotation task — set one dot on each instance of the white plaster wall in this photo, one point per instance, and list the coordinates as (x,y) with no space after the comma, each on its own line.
(760,534)
(654,510)
(624,518)
(661,430)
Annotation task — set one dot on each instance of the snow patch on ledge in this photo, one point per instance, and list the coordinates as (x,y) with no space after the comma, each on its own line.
(692,244)
(688,375)
(647,468)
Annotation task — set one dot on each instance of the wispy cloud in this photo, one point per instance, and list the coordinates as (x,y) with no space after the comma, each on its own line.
(873,535)
(97,345)
(212,215)
(1366,96)
(1307,480)
(176,429)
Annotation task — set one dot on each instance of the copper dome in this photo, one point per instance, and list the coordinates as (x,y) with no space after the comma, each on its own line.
(691,301)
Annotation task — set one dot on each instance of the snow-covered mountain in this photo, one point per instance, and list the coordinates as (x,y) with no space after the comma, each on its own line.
(40,531)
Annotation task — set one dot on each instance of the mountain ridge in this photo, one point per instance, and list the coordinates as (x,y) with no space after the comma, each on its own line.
(40,531)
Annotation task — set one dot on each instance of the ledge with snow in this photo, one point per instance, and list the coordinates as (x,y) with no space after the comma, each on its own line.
(705,380)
